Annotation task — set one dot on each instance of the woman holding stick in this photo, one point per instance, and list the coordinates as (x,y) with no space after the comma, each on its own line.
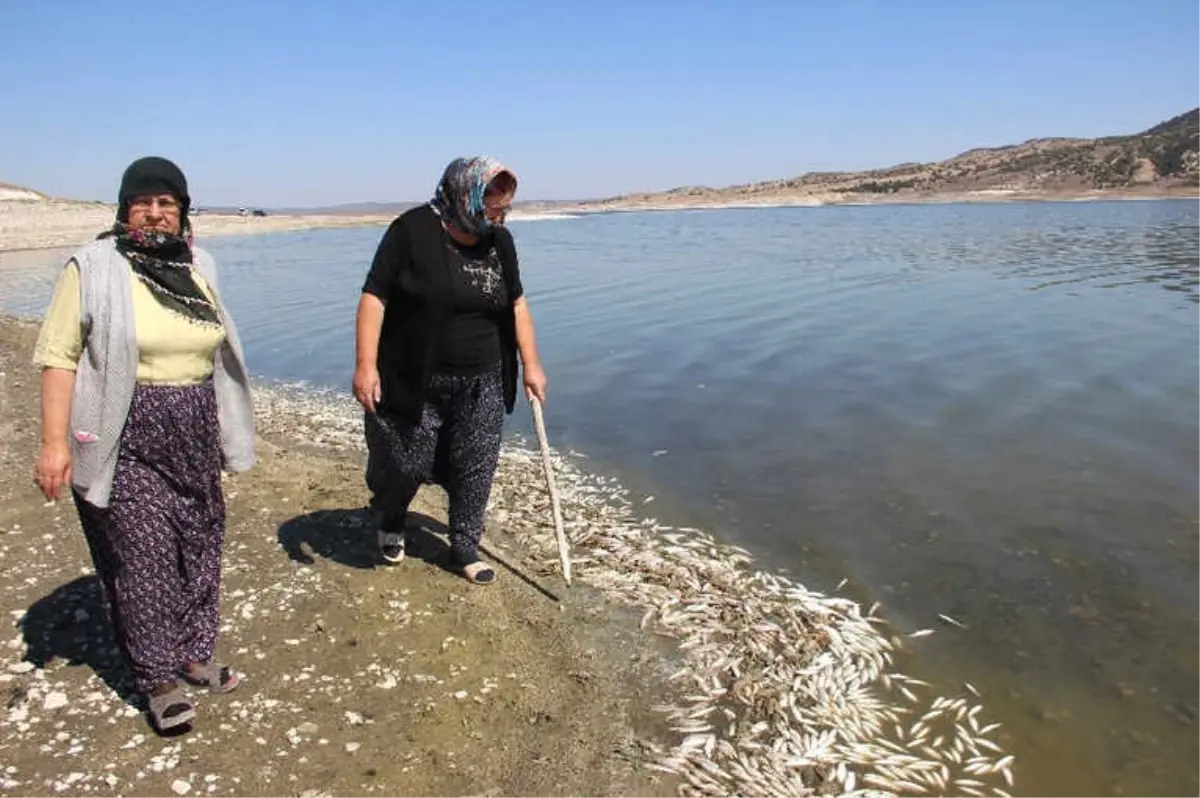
(441,323)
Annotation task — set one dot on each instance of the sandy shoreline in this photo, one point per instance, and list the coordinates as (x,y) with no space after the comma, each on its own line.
(53,224)
(360,679)
(50,224)
(726,200)
(672,652)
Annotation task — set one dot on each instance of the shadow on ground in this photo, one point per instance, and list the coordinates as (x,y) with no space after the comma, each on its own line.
(71,624)
(347,537)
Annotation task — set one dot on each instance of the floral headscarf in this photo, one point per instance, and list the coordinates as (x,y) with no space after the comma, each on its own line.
(459,196)
(163,263)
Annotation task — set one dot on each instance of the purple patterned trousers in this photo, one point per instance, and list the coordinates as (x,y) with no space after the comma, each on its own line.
(456,444)
(157,546)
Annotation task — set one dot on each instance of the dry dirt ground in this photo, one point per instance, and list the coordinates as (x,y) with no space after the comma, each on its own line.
(361,679)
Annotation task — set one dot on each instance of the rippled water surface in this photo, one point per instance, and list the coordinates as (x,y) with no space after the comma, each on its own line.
(987,411)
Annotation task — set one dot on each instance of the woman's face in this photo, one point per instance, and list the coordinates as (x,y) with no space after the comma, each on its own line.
(496,206)
(155,212)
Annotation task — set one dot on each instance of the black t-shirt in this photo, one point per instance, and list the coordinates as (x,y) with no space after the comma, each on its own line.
(443,310)
(471,339)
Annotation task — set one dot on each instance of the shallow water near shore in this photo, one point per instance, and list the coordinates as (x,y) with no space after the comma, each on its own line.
(987,412)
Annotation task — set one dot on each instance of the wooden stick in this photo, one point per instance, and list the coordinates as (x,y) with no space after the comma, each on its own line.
(564,555)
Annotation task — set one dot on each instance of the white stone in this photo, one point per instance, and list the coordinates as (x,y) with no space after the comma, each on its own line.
(352,747)
(180,787)
(55,700)
(23,666)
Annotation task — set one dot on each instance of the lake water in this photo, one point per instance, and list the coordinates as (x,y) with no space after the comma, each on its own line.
(987,411)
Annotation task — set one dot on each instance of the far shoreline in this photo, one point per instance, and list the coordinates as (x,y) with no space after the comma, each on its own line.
(860,200)
(37,229)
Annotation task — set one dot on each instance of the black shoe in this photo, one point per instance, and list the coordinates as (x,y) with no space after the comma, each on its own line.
(472,568)
(391,546)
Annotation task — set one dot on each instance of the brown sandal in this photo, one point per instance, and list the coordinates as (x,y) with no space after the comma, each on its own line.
(217,678)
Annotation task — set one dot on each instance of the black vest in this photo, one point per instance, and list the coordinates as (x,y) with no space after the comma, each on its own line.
(417,310)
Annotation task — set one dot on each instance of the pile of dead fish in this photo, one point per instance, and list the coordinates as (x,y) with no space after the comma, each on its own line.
(785,691)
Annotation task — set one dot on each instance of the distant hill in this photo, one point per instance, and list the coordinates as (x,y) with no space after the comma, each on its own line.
(1163,157)
(10,192)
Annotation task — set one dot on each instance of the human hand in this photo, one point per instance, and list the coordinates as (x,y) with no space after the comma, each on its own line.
(366,386)
(52,470)
(535,382)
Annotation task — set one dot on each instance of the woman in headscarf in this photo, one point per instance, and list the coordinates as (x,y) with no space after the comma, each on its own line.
(145,399)
(441,323)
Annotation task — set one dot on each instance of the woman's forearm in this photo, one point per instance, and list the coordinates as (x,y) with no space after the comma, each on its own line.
(368,323)
(57,387)
(526,340)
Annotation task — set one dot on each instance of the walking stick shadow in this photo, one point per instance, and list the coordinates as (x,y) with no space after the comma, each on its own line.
(71,624)
(426,539)
(347,536)
(492,555)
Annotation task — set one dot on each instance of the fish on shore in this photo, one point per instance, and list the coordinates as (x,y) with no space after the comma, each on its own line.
(785,690)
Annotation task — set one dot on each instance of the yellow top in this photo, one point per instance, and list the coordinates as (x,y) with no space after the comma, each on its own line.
(171,350)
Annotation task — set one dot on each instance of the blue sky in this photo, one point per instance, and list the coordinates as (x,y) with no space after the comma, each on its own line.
(303,102)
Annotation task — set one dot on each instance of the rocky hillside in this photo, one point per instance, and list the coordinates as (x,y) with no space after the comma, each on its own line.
(1165,157)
